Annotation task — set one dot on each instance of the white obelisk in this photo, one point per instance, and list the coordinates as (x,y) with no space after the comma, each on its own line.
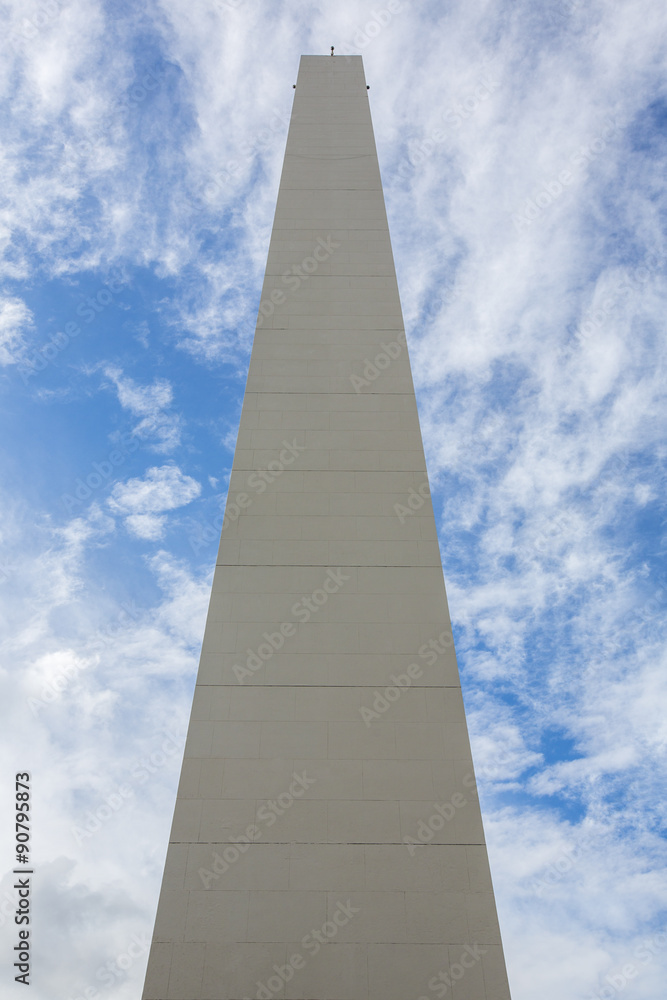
(327,842)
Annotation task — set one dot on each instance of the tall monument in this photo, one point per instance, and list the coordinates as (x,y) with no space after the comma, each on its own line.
(327,841)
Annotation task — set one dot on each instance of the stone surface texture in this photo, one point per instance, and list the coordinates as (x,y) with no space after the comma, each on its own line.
(327,841)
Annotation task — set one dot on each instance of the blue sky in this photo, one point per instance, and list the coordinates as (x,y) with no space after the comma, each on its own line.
(522,149)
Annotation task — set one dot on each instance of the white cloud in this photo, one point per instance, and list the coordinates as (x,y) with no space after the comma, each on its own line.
(148,526)
(97,707)
(151,402)
(141,500)
(140,400)
(15,317)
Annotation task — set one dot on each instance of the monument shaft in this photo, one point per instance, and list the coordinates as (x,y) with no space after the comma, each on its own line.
(327,841)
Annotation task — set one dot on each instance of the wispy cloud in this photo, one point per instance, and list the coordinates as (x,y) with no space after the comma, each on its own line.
(15,317)
(161,429)
(142,501)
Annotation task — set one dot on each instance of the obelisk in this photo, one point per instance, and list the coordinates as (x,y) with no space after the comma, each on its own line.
(327,842)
